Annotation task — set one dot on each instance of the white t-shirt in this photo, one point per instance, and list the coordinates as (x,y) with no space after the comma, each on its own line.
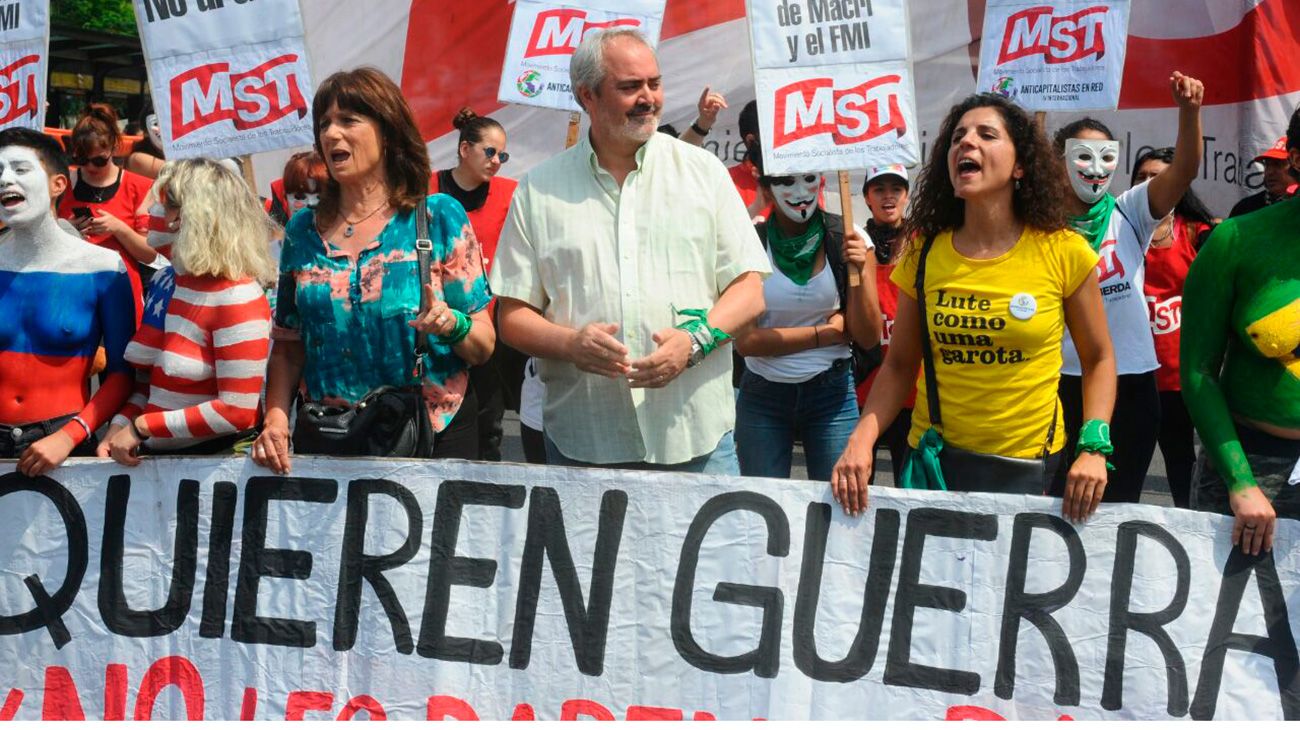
(792,305)
(1122,274)
(532,396)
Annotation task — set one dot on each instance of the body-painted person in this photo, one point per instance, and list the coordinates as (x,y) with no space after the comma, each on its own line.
(1002,277)
(200,353)
(63,298)
(1119,229)
(798,381)
(1241,366)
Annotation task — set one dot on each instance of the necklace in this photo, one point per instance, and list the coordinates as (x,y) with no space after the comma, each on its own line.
(347,232)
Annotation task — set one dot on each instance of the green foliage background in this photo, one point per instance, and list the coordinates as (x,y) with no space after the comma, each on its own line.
(108,16)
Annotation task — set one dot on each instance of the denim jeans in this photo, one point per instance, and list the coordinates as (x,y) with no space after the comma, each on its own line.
(821,411)
(721,461)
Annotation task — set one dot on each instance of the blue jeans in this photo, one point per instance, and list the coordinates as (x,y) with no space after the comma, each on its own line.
(721,461)
(821,411)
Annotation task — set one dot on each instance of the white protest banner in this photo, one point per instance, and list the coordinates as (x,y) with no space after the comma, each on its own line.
(208,588)
(1061,55)
(833,80)
(544,35)
(24,54)
(227,78)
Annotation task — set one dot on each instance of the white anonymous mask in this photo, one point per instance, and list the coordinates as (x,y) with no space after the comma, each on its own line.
(1091,164)
(298,201)
(796,195)
(154,129)
(24,187)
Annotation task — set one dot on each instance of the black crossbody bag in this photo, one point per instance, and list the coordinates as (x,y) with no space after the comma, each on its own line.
(965,470)
(387,421)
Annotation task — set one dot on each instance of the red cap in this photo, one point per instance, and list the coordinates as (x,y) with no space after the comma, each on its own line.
(1276,152)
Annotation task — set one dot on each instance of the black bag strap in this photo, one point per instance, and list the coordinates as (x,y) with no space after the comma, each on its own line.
(927,357)
(424,258)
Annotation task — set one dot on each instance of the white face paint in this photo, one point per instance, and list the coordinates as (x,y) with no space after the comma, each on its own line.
(1091,164)
(154,129)
(797,196)
(24,187)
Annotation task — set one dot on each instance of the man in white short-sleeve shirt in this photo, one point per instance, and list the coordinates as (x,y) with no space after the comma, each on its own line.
(604,246)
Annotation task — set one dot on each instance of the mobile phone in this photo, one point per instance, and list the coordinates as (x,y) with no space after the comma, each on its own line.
(82,211)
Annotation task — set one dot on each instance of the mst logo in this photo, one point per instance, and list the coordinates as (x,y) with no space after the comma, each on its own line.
(211,93)
(1166,316)
(814,106)
(1036,32)
(558,32)
(18,89)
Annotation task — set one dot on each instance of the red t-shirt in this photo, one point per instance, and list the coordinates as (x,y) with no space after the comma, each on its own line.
(887,293)
(125,205)
(1166,271)
(742,175)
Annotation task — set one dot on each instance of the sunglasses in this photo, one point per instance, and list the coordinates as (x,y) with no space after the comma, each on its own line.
(99,161)
(492,152)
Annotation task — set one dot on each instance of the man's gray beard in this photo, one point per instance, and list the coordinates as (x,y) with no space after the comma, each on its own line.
(632,130)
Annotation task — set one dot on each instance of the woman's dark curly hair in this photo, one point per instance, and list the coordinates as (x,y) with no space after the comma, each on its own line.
(1040,201)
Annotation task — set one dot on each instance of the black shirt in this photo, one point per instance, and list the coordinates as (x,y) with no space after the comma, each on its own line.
(470,200)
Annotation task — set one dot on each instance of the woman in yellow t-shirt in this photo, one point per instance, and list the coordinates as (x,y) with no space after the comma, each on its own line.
(1003,277)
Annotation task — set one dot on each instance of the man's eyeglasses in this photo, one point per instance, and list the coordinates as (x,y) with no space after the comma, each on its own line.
(492,152)
(99,161)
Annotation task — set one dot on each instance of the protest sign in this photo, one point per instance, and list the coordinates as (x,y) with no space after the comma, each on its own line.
(227,78)
(1055,56)
(833,80)
(24,54)
(208,588)
(544,35)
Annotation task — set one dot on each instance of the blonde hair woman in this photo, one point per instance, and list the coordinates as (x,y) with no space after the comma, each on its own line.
(200,353)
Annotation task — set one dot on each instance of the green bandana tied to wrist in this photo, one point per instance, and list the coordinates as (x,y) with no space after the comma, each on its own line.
(921,469)
(795,256)
(1094,437)
(1092,225)
(458,333)
(699,330)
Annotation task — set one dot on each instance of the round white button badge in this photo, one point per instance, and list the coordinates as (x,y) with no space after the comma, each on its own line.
(1023,306)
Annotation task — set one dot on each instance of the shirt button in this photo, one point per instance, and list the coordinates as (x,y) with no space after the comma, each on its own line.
(16,432)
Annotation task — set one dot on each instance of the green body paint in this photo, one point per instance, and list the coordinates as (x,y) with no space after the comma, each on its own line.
(1241,333)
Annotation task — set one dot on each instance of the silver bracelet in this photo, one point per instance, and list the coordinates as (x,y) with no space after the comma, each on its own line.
(82,422)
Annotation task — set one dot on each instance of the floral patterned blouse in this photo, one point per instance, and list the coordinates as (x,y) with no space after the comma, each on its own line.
(352,315)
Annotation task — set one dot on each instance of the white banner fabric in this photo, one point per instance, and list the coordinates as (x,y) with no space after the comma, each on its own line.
(208,588)
(24,58)
(544,35)
(227,79)
(1066,55)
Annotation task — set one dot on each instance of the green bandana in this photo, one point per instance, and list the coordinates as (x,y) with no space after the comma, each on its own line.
(795,256)
(1092,225)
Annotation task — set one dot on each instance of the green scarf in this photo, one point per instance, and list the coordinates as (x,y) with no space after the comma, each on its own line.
(794,256)
(921,469)
(1092,225)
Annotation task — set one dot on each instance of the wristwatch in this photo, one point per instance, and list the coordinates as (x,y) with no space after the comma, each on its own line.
(697,353)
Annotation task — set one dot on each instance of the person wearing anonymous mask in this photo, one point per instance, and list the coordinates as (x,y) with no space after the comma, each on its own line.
(299,187)
(147,156)
(1119,229)
(798,380)
(64,299)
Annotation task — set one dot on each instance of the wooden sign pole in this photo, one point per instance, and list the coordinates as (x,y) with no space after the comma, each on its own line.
(846,210)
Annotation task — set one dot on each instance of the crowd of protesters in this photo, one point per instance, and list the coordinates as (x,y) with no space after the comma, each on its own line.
(1001,322)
